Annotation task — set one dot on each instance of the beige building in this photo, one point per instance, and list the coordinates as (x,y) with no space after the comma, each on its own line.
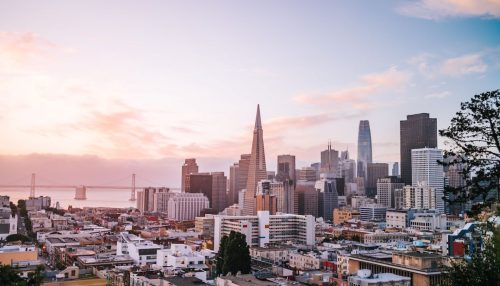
(12,254)
(189,167)
(341,215)
(306,261)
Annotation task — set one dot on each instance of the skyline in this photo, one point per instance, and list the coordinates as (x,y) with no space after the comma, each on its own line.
(156,86)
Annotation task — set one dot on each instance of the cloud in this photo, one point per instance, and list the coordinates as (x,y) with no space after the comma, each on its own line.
(438,95)
(440,9)
(358,97)
(20,49)
(466,64)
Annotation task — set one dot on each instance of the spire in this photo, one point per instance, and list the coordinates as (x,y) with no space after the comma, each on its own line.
(258,124)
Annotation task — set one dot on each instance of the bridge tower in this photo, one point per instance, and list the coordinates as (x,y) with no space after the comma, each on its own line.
(132,194)
(32,187)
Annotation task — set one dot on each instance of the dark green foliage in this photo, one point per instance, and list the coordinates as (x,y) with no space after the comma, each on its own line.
(356,238)
(481,270)
(17,237)
(13,209)
(8,276)
(233,255)
(473,138)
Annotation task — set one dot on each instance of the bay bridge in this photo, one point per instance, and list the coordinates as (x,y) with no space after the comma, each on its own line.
(33,186)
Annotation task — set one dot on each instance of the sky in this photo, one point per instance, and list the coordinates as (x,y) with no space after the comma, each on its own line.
(100,83)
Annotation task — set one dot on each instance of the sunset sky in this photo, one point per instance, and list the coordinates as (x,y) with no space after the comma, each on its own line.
(166,80)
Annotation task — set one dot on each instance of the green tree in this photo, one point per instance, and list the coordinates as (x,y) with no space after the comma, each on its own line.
(9,277)
(36,278)
(13,208)
(219,259)
(473,140)
(233,255)
(17,237)
(482,269)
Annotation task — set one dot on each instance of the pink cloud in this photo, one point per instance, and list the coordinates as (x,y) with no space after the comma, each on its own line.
(466,64)
(358,97)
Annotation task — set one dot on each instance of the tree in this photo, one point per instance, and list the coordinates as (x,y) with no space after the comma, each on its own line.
(219,259)
(473,138)
(8,276)
(233,255)
(481,270)
(13,208)
(17,237)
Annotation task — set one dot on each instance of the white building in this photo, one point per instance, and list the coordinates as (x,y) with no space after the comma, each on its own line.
(364,277)
(305,261)
(186,206)
(419,197)
(140,250)
(180,256)
(360,201)
(426,171)
(396,219)
(161,201)
(372,212)
(264,229)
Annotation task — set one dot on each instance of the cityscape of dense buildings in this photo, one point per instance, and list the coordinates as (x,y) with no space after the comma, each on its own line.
(338,222)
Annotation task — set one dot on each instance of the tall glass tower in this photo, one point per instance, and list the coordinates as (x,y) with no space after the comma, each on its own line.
(364,148)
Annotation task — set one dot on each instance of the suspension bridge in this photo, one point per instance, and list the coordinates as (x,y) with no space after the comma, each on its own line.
(33,186)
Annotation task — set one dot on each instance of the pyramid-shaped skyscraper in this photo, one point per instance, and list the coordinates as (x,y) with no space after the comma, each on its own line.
(257,169)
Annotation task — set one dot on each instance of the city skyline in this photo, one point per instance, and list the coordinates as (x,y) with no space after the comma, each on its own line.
(96,96)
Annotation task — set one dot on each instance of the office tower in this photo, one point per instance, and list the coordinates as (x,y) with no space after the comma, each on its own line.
(398,199)
(419,197)
(238,178)
(219,188)
(186,206)
(316,167)
(360,183)
(308,174)
(417,131)
(286,201)
(189,167)
(265,200)
(386,188)
(327,197)
(347,168)
(395,169)
(329,160)
(212,185)
(375,172)
(426,171)
(307,197)
(286,168)
(364,148)
(257,168)
(145,200)
(234,173)
(271,175)
(454,179)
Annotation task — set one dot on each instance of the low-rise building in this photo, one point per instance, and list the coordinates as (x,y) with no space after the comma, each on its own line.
(142,251)
(306,261)
(364,277)
(15,254)
(8,223)
(179,256)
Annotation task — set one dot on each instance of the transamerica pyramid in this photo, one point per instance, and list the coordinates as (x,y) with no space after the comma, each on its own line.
(257,169)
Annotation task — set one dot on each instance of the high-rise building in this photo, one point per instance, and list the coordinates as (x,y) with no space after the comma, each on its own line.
(329,160)
(238,178)
(364,148)
(426,171)
(161,201)
(307,174)
(186,206)
(189,167)
(419,197)
(257,169)
(212,185)
(286,168)
(145,199)
(395,169)
(265,200)
(271,175)
(417,131)
(454,178)
(307,198)
(385,190)
(327,197)
(375,172)
(347,170)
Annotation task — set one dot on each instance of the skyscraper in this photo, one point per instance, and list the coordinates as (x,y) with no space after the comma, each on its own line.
(417,131)
(189,167)
(329,160)
(375,171)
(426,171)
(386,188)
(257,167)
(238,175)
(395,169)
(364,148)
(212,185)
(327,197)
(286,168)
